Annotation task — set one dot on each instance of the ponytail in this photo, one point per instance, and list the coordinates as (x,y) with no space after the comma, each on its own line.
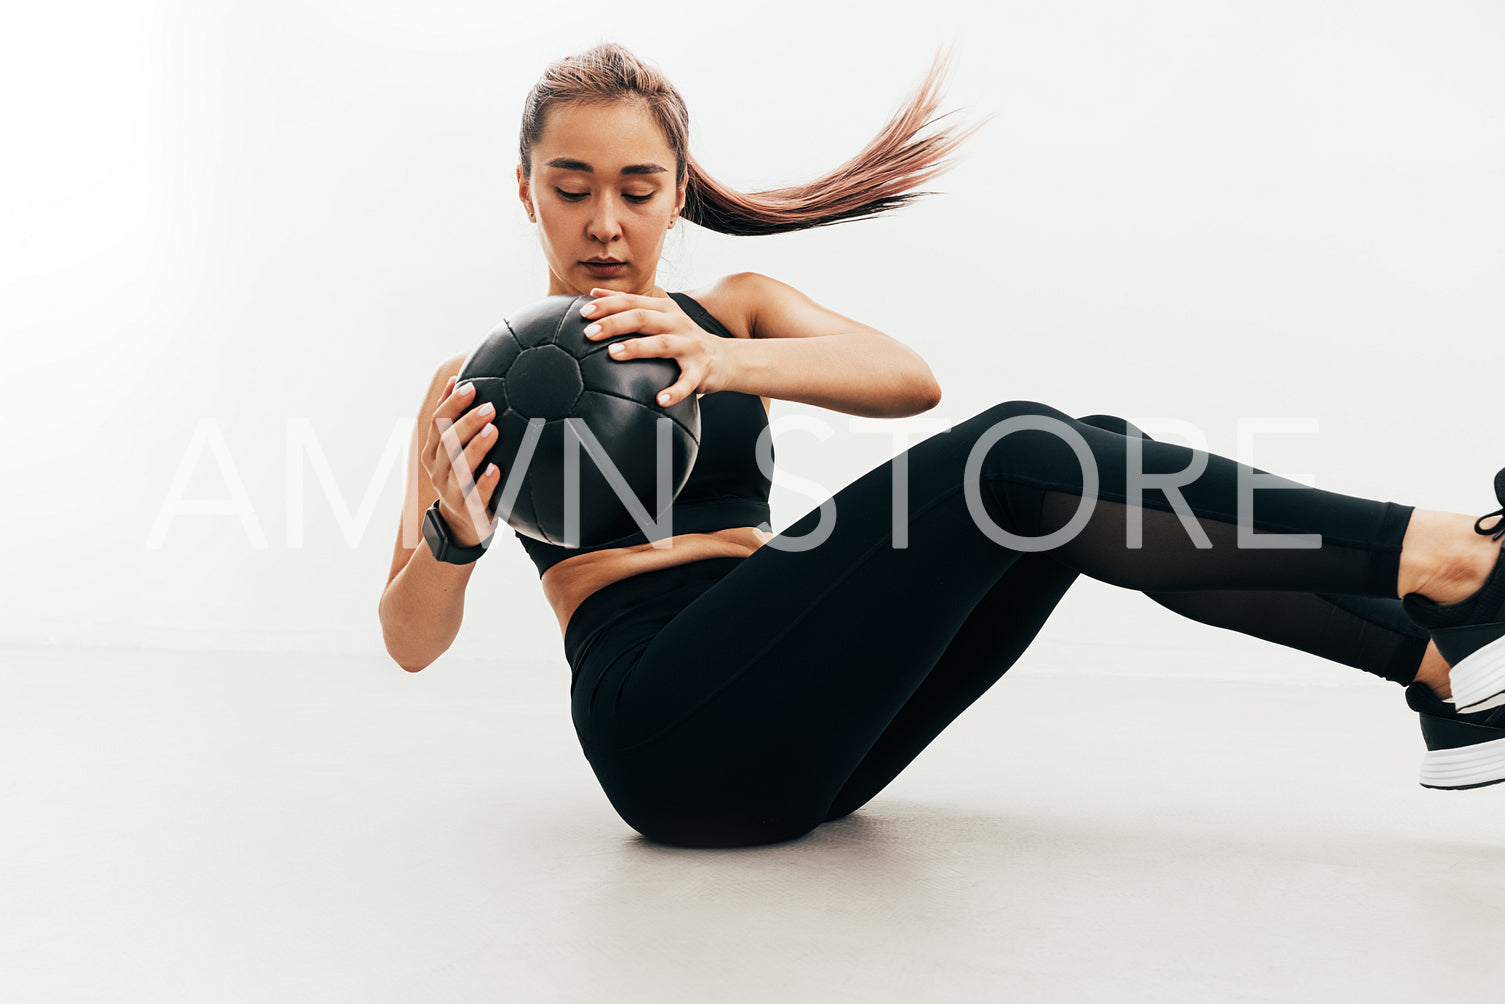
(881,178)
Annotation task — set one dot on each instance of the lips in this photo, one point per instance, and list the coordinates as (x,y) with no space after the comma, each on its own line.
(604,268)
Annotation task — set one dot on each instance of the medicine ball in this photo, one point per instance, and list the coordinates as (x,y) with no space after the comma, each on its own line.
(562,393)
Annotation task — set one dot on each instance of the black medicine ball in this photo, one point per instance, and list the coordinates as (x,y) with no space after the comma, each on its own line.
(564,394)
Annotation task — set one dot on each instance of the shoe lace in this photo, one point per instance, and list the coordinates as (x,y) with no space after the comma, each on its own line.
(1498,530)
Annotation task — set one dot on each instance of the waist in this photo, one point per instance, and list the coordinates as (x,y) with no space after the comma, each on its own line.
(617,599)
(705,516)
(569,582)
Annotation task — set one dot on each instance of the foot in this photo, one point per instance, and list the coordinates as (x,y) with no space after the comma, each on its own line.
(1464,750)
(1470,633)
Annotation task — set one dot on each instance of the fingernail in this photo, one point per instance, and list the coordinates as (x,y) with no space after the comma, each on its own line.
(465,388)
(616,349)
(490,470)
(486,409)
(663,398)
(587,310)
(594,329)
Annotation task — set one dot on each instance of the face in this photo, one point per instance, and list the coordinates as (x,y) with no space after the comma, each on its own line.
(602,187)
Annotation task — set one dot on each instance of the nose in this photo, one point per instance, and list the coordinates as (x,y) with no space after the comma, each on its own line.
(605,223)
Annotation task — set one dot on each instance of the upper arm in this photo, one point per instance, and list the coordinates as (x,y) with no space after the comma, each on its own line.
(767,308)
(419,492)
(773,309)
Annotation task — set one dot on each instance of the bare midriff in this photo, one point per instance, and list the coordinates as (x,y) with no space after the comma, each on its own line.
(568,583)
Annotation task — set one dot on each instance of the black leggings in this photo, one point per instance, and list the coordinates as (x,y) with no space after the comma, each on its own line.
(745,700)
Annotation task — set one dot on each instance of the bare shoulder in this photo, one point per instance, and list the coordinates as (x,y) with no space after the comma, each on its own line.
(450,367)
(753,305)
(725,299)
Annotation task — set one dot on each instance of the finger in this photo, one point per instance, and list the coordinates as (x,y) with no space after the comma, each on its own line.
(453,402)
(475,452)
(464,438)
(474,480)
(639,320)
(463,427)
(650,347)
(608,300)
(444,446)
(486,484)
(679,389)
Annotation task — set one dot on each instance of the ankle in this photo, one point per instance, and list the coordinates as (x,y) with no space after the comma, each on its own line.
(1462,574)
(1434,672)
(1443,558)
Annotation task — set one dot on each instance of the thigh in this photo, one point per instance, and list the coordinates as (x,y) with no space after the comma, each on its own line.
(749,708)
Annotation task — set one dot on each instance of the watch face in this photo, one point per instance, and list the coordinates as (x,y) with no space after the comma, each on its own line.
(436,532)
(433,532)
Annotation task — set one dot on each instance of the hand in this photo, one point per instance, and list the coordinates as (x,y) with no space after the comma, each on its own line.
(668,333)
(457,436)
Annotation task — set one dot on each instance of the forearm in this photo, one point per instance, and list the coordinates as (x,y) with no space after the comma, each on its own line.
(421,609)
(857,372)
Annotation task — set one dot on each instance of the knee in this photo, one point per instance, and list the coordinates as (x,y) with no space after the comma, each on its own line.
(1019,409)
(1113,423)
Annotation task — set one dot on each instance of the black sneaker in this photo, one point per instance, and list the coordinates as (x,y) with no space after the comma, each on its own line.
(1470,634)
(1464,750)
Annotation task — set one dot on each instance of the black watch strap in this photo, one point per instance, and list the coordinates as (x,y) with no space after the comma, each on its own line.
(442,545)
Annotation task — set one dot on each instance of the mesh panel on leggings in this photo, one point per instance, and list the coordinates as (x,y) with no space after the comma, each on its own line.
(1374,635)
(1170,560)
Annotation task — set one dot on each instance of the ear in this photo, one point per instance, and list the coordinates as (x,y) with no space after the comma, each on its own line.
(524,192)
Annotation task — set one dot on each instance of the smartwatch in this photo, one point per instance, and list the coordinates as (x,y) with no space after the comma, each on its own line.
(442,546)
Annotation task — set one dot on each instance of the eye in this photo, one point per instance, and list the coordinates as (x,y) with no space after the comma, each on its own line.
(571,196)
(638,199)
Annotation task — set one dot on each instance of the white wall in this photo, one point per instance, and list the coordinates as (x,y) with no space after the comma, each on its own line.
(244,218)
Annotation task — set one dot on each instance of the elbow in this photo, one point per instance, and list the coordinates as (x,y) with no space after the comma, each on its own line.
(408,665)
(926,394)
(924,388)
(408,662)
(932,396)
(904,405)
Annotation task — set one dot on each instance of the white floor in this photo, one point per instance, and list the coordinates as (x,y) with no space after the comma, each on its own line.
(215,828)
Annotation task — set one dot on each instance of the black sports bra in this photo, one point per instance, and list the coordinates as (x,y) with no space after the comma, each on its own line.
(726,487)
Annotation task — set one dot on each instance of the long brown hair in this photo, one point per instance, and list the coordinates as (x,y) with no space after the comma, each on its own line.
(880,178)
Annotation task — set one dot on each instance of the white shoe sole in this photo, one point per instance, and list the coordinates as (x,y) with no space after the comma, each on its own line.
(1478,681)
(1464,766)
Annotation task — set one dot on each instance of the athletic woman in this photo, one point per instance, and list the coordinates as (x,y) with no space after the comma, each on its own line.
(731,686)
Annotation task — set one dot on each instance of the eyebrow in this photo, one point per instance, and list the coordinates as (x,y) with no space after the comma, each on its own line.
(570,164)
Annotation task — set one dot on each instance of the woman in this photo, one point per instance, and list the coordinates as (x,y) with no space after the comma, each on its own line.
(736,687)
